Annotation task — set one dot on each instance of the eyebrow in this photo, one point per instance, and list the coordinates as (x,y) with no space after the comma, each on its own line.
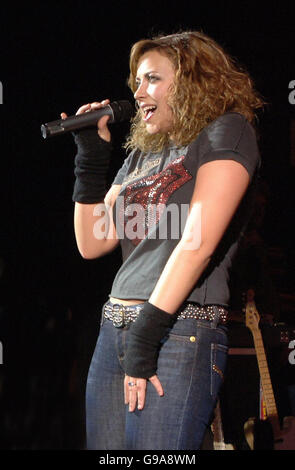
(147,74)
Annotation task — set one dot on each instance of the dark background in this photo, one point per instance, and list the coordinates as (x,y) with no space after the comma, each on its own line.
(56,56)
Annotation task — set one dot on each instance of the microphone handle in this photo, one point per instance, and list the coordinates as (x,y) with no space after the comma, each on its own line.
(75,122)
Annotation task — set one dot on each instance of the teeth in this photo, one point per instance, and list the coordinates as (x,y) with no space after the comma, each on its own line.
(149,108)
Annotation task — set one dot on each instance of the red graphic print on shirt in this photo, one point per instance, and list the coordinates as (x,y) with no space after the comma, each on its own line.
(148,197)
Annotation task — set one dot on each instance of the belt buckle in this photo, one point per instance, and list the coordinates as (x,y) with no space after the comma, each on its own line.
(118,315)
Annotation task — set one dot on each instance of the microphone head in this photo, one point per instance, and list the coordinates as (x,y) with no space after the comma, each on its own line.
(123,110)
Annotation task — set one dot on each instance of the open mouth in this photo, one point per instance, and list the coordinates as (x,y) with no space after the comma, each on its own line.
(148,112)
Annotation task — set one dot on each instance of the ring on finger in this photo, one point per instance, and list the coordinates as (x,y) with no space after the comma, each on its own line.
(131,384)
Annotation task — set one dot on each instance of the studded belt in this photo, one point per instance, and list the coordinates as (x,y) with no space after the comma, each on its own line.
(120,315)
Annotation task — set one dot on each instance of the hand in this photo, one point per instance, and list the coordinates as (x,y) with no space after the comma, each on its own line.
(102,127)
(144,342)
(136,394)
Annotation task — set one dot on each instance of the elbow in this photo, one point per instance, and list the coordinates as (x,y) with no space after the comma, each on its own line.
(201,257)
(199,249)
(200,254)
(87,253)
(206,253)
(90,253)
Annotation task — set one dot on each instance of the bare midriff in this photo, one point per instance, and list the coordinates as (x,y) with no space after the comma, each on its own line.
(126,302)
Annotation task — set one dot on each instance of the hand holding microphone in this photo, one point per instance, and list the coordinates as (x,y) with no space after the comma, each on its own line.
(103,130)
(93,144)
(117,111)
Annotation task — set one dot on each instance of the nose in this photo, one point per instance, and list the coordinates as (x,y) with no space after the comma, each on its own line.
(140,91)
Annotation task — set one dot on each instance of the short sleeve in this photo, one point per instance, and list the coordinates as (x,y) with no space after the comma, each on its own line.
(119,178)
(230,137)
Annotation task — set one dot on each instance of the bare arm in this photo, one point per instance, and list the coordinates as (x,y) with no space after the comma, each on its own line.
(94,227)
(219,188)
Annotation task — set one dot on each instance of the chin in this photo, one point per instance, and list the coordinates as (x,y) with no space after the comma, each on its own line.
(152,131)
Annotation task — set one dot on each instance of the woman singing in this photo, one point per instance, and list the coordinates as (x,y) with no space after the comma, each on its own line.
(178,207)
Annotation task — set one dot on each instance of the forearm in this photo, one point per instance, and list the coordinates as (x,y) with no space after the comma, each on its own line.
(182,271)
(179,276)
(89,194)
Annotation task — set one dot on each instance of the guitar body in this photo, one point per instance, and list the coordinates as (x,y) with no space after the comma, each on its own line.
(260,434)
(218,437)
(286,438)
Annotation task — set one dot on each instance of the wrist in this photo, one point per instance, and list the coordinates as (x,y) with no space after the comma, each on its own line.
(89,141)
(105,135)
(91,167)
(158,315)
(145,339)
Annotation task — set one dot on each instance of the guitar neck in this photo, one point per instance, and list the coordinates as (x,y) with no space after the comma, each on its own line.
(283,438)
(267,388)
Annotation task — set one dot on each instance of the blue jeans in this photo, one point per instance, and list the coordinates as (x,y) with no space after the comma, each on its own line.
(191,365)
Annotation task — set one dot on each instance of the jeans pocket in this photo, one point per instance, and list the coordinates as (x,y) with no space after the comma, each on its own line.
(181,338)
(218,363)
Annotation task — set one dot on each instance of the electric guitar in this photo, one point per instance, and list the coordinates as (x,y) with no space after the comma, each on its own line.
(283,437)
(217,429)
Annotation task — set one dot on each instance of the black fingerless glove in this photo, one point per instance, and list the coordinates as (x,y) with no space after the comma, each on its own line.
(91,166)
(145,338)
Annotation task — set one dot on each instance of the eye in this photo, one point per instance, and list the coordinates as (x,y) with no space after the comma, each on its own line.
(152,78)
(149,77)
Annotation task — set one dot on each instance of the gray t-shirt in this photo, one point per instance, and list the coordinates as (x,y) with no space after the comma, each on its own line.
(152,206)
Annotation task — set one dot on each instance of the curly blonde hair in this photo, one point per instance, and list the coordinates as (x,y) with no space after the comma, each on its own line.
(208,83)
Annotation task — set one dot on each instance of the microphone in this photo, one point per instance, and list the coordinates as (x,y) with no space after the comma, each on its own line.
(118,111)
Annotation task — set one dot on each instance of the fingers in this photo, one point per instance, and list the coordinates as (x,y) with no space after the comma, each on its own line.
(92,106)
(89,107)
(102,128)
(157,384)
(135,391)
